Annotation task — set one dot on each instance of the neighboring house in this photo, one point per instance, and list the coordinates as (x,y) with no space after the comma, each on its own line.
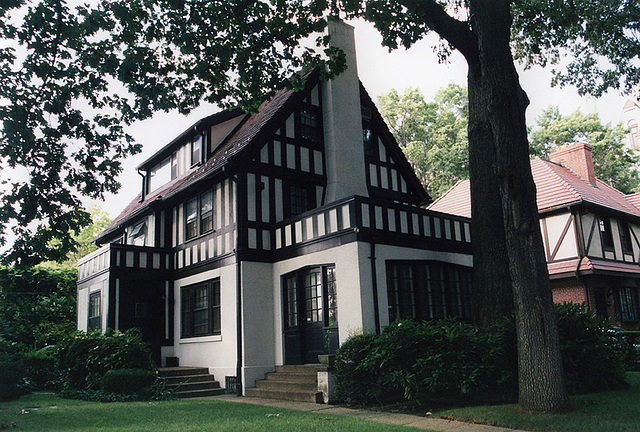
(631,121)
(267,239)
(590,230)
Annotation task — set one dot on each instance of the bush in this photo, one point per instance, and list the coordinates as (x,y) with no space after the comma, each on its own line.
(356,382)
(11,373)
(423,361)
(592,359)
(127,381)
(42,370)
(84,358)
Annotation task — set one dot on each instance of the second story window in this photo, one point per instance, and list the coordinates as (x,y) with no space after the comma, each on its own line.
(300,199)
(625,237)
(206,212)
(605,233)
(196,150)
(310,125)
(191,215)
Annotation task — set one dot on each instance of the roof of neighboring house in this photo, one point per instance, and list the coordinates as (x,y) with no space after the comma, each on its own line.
(235,142)
(589,265)
(556,186)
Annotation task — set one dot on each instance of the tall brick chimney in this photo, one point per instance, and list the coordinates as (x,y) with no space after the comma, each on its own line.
(577,157)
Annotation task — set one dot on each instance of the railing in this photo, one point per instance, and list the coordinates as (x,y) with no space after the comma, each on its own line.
(111,256)
(364,216)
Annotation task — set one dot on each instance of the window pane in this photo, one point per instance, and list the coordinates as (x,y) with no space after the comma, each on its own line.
(192,218)
(206,212)
(196,150)
(332,301)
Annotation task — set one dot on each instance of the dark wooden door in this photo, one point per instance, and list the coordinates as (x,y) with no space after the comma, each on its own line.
(310,310)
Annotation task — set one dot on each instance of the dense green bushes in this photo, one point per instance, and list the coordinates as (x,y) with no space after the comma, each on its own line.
(84,358)
(451,361)
(11,380)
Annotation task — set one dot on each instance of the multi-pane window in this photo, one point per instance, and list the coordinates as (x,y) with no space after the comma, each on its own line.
(199,215)
(310,296)
(95,308)
(309,124)
(206,212)
(626,304)
(200,309)
(605,232)
(313,296)
(332,297)
(196,150)
(428,290)
(191,215)
(625,237)
(299,200)
(291,301)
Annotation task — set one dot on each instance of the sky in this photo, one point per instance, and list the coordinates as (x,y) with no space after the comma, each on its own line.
(380,71)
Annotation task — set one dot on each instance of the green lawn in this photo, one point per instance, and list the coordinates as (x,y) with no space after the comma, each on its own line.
(57,414)
(615,411)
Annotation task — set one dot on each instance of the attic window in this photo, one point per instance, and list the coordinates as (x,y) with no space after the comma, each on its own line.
(196,150)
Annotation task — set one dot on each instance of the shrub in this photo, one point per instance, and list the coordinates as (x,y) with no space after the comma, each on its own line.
(41,369)
(127,381)
(11,373)
(84,358)
(592,360)
(356,381)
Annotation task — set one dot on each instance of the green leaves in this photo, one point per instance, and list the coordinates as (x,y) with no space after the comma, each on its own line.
(75,77)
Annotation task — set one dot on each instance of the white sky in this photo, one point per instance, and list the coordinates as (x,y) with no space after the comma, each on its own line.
(379,71)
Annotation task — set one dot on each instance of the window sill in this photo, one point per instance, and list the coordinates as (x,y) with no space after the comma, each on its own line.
(201,339)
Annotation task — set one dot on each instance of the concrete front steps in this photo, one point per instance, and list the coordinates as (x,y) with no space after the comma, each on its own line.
(190,382)
(290,382)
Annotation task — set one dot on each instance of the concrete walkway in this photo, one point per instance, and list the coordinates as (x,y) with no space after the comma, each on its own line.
(429,423)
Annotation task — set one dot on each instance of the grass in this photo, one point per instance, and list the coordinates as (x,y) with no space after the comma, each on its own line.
(617,411)
(56,414)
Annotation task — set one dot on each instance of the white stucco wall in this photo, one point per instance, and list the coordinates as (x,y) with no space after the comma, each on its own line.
(217,352)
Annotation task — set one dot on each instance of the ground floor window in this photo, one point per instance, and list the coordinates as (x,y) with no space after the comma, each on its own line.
(95,308)
(200,309)
(427,290)
(626,304)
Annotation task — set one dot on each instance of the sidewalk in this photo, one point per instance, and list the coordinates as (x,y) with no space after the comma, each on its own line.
(434,424)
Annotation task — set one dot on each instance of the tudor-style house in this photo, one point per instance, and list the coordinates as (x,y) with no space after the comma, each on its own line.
(590,230)
(267,239)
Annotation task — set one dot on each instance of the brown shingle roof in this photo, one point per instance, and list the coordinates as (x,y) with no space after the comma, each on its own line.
(556,187)
(232,146)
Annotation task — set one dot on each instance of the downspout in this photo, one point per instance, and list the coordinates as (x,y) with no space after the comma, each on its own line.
(374,284)
(239,358)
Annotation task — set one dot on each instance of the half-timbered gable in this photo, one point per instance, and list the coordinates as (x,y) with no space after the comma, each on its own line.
(268,238)
(591,233)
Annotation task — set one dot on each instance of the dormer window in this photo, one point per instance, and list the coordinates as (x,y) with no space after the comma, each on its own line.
(625,237)
(196,150)
(605,233)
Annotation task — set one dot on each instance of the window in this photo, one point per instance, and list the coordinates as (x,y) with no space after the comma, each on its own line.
(138,234)
(174,165)
(191,215)
(206,212)
(200,307)
(332,301)
(196,150)
(309,125)
(606,233)
(310,296)
(428,290)
(95,308)
(160,175)
(625,237)
(300,200)
(626,304)
(368,142)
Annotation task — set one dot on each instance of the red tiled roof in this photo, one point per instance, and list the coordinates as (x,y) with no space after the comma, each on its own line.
(556,187)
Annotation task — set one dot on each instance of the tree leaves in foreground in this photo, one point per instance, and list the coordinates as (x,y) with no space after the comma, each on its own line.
(613,162)
(73,78)
(432,135)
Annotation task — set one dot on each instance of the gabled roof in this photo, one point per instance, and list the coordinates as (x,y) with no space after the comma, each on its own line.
(556,187)
(246,132)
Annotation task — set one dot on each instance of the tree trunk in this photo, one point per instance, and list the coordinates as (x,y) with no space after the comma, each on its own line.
(503,190)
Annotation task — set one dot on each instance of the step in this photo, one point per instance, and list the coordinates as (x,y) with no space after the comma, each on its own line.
(182,371)
(199,393)
(290,377)
(311,369)
(172,380)
(286,386)
(315,397)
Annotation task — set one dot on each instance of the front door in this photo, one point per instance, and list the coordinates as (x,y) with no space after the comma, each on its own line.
(310,325)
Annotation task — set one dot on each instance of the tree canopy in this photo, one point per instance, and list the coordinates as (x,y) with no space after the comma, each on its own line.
(613,162)
(432,135)
(63,123)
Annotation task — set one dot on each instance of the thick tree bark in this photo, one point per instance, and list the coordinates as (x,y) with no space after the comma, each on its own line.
(503,191)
